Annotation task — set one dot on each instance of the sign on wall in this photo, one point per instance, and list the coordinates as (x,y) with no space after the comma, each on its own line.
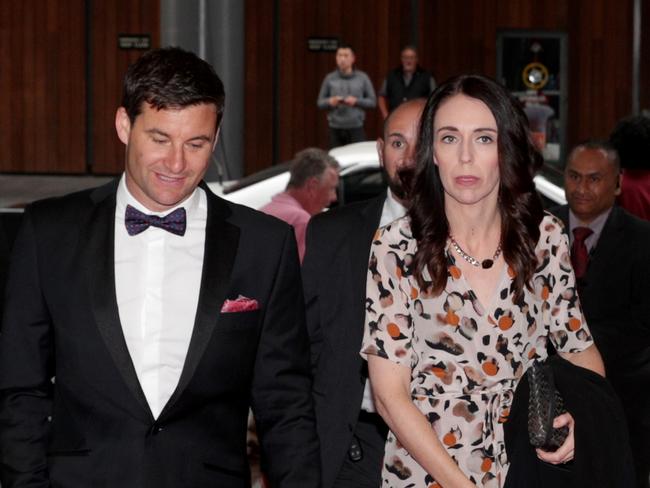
(134,41)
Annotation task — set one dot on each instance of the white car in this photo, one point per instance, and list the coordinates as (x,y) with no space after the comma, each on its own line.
(361,178)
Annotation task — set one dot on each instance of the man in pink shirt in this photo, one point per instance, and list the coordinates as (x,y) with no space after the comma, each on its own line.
(312,187)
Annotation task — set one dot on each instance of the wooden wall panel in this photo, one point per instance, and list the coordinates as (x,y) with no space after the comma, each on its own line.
(600,75)
(42,117)
(376,29)
(258,92)
(644,88)
(453,38)
(42,45)
(109,63)
(600,56)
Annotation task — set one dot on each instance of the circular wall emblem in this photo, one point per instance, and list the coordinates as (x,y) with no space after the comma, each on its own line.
(535,75)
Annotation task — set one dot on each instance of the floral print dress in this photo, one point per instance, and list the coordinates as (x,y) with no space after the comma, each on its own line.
(466,357)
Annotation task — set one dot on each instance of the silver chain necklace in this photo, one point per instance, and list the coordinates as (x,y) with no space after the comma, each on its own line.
(485,264)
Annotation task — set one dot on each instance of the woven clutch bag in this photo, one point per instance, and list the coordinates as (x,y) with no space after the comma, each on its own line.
(545,403)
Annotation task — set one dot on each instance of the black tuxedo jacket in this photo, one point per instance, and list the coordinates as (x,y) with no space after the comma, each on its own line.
(334,278)
(91,426)
(615,295)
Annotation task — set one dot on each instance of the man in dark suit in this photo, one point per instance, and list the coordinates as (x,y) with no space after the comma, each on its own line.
(609,251)
(4,263)
(158,314)
(406,82)
(352,434)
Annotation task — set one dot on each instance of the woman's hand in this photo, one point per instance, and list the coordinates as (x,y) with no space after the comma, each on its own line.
(565,452)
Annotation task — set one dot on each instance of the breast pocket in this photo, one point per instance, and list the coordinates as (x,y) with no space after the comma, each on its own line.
(239,321)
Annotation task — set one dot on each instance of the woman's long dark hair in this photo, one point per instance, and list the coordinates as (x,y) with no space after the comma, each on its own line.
(519,204)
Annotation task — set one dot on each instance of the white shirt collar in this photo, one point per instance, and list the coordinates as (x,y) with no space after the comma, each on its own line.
(392,210)
(595,225)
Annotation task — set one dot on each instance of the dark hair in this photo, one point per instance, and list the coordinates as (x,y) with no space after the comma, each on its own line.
(631,138)
(345,45)
(594,144)
(309,163)
(519,204)
(171,78)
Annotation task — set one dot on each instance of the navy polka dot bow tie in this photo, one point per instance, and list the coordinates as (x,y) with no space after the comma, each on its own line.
(137,221)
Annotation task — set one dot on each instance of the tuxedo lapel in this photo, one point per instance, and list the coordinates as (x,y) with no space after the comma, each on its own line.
(221,242)
(99,239)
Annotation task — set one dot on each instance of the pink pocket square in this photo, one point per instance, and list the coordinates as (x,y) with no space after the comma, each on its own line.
(240,304)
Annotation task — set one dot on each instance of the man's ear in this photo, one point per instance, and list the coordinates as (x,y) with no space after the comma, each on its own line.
(122,125)
(216,138)
(380,151)
(312,183)
(619,182)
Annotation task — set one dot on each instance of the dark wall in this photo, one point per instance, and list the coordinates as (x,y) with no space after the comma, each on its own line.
(49,81)
(599,42)
(645,56)
(453,37)
(108,65)
(42,114)
(279,31)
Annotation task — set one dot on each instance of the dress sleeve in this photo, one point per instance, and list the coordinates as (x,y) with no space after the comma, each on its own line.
(563,315)
(388,326)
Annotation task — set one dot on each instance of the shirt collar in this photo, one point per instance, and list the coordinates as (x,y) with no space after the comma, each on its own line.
(595,225)
(124,198)
(392,210)
(285,198)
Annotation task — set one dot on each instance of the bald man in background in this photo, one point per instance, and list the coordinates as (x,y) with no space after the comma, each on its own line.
(352,434)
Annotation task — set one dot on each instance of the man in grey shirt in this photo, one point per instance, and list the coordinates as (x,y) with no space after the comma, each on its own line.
(345,93)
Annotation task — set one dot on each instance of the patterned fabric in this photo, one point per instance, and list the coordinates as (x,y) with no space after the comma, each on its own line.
(466,357)
(137,222)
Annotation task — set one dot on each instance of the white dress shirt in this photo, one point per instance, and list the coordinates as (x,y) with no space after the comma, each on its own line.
(392,210)
(157,284)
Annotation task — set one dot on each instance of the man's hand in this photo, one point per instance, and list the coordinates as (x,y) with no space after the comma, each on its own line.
(335,100)
(565,452)
(350,100)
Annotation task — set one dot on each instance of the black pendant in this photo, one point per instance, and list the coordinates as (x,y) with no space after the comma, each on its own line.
(487,263)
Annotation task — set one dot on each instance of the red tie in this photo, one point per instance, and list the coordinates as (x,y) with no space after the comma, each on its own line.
(579,253)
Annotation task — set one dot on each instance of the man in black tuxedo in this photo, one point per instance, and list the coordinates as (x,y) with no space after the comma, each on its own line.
(334,271)
(160,318)
(611,258)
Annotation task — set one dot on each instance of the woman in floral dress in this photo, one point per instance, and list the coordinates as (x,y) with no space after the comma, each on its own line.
(464,293)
